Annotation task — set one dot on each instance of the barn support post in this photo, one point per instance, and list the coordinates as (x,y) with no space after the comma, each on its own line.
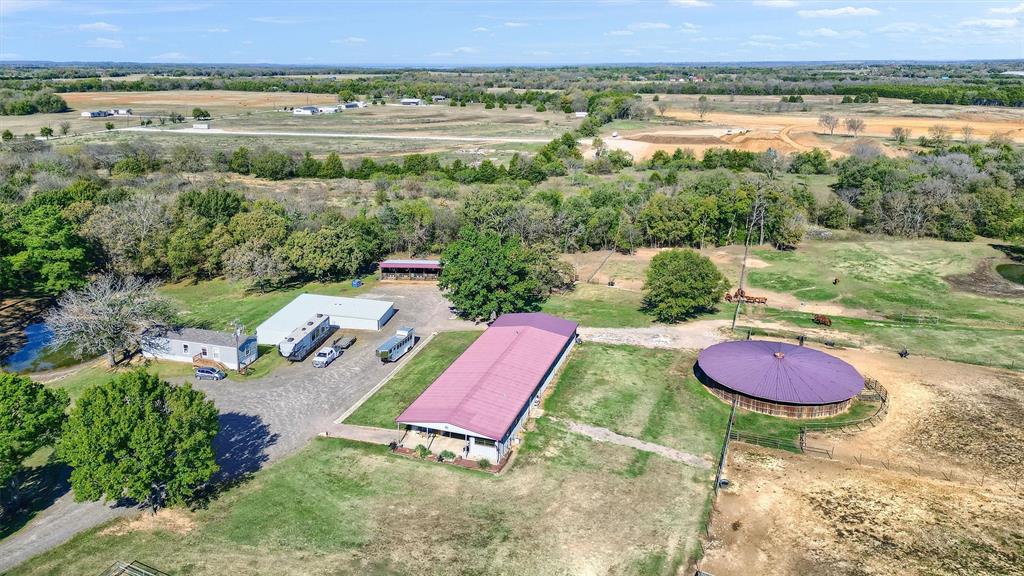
(725,448)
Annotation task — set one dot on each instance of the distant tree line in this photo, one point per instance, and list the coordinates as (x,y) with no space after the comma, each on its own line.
(23,103)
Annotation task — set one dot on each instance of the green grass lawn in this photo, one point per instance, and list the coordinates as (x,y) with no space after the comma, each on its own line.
(214,304)
(599,307)
(653,395)
(382,408)
(1012,272)
(344,508)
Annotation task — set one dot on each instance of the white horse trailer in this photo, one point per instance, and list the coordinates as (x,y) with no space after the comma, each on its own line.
(306,338)
(396,346)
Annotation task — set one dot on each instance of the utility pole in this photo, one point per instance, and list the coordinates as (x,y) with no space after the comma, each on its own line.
(751,218)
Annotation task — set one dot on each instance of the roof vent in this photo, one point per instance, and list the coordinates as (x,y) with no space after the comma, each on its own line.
(289,339)
(780,355)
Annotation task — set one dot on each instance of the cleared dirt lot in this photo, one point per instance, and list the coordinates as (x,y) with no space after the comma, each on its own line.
(743,123)
(934,489)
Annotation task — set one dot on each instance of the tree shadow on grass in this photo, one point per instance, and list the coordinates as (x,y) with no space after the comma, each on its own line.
(36,489)
(240,449)
(1015,253)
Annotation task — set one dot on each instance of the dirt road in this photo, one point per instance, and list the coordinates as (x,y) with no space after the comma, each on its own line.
(352,135)
(690,336)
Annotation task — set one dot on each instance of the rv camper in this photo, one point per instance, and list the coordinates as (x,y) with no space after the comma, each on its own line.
(306,338)
(397,345)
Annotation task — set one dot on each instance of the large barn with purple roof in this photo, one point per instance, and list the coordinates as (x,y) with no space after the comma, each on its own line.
(778,378)
(479,403)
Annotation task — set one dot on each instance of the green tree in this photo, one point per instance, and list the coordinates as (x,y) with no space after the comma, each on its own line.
(241,161)
(485,275)
(109,125)
(7,135)
(680,283)
(46,132)
(46,254)
(139,437)
(30,417)
(332,167)
(200,114)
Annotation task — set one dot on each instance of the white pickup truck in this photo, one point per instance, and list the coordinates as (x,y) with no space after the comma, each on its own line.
(329,354)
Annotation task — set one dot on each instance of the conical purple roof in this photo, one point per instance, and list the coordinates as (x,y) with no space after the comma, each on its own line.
(780,372)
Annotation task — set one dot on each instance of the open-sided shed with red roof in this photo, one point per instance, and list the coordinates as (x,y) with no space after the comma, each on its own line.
(410,269)
(486,393)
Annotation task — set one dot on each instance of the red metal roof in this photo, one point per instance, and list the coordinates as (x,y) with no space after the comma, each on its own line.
(411,264)
(486,387)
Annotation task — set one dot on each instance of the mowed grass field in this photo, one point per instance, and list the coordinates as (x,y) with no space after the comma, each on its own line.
(565,505)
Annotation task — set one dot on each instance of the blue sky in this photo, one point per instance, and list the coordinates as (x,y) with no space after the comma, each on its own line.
(525,32)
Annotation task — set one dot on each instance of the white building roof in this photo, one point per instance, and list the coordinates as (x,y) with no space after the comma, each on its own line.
(304,306)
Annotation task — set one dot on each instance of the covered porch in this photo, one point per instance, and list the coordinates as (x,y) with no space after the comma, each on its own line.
(462,445)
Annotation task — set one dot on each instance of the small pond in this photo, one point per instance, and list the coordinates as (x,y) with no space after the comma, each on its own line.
(35,354)
(1012,272)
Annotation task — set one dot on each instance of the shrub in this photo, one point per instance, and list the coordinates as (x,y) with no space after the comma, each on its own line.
(484,463)
(447,455)
(422,451)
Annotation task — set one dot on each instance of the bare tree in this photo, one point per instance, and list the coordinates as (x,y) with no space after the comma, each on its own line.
(65,127)
(771,163)
(939,135)
(901,135)
(662,107)
(128,230)
(703,106)
(967,131)
(828,122)
(111,314)
(854,126)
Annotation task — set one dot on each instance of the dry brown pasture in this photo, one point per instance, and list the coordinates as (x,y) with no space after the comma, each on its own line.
(935,489)
(742,123)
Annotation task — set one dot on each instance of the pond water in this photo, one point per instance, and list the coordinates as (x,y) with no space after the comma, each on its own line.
(35,355)
(1012,272)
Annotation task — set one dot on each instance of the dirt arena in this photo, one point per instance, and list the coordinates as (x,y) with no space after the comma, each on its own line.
(935,489)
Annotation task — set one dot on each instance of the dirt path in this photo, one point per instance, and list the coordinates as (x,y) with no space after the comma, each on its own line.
(605,435)
(353,135)
(690,336)
(367,434)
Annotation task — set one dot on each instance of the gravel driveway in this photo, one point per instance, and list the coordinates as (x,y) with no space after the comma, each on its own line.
(267,419)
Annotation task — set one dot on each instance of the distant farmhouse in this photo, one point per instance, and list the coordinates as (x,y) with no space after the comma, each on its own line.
(411,102)
(354,104)
(438,98)
(305,111)
(201,347)
(328,109)
(96,114)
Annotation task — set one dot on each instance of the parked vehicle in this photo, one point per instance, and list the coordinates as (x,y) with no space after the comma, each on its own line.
(329,354)
(325,356)
(208,373)
(396,346)
(306,338)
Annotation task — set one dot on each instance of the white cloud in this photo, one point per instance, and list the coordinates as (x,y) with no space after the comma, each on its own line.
(838,12)
(349,40)
(830,33)
(1018,9)
(620,33)
(102,26)
(169,56)
(9,56)
(274,20)
(764,38)
(440,54)
(541,53)
(629,52)
(688,28)
(217,30)
(104,43)
(776,3)
(690,3)
(905,28)
(466,50)
(995,23)
(648,26)
(481,29)
(755,44)
(12,6)
(515,24)
(247,42)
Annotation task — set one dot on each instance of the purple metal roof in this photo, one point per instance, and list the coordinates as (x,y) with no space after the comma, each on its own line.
(780,372)
(412,264)
(486,387)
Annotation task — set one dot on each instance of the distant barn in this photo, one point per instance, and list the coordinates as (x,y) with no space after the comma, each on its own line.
(410,269)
